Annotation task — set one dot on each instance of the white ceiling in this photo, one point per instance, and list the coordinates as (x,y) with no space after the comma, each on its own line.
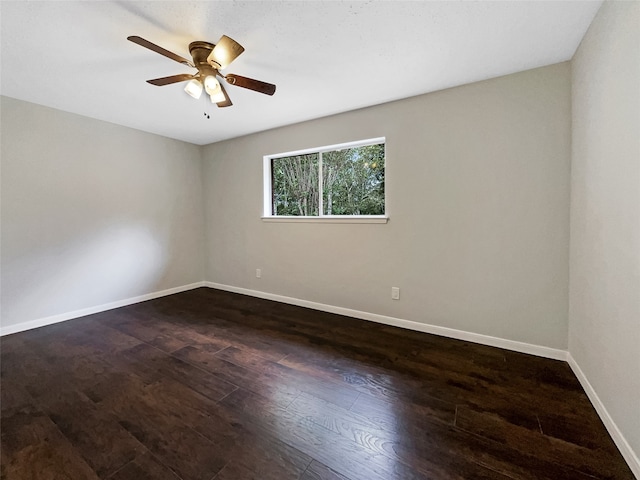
(325,57)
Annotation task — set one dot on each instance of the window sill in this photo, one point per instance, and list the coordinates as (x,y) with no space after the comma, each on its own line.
(327,219)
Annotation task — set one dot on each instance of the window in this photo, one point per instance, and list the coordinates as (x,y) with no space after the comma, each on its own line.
(338,182)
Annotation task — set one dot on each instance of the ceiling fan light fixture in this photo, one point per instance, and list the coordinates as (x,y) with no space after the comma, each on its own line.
(194,88)
(217,97)
(214,89)
(211,84)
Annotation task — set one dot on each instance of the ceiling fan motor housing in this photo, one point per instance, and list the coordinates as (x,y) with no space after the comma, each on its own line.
(200,52)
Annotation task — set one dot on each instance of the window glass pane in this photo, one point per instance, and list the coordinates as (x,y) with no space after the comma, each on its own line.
(295,185)
(353,181)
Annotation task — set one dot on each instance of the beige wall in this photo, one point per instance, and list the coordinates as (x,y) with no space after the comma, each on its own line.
(477,187)
(478,199)
(604,320)
(92,212)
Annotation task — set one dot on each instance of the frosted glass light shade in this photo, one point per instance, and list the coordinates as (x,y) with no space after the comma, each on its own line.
(211,84)
(217,97)
(194,88)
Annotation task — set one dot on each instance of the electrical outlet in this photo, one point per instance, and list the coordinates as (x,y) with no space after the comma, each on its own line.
(395,293)
(258,273)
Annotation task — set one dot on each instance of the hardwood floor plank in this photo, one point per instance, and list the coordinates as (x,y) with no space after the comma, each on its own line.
(377,375)
(144,467)
(104,338)
(95,435)
(319,471)
(264,460)
(392,414)
(331,416)
(162,323)
(390,440)
(154,364)
(143,329)
(13,396)
(33,448)
(198,412)
(590,461)
(340,395)
(74,372)
(340,454)
(252,448)
(281,393)
(578,427)
(247,339)
(189,454)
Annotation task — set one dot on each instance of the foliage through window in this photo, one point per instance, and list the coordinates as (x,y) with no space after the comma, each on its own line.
(342,180)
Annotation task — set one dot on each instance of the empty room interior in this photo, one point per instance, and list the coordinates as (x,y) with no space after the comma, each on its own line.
(320,240)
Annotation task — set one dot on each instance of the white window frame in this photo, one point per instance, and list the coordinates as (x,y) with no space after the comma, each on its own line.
(320,218)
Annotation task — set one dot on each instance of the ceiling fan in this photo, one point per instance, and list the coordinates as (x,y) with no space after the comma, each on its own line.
(209,59)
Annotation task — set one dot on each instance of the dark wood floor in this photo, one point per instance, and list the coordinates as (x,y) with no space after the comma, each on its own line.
(212,385)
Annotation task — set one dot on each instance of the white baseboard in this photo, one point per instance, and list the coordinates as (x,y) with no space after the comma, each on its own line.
(622,444)
(516,346)
(42,322)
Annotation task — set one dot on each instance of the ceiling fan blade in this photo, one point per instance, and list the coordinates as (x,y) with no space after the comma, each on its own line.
(153,47)
(251,84)
(159,82)
(225,52)
(227,102)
